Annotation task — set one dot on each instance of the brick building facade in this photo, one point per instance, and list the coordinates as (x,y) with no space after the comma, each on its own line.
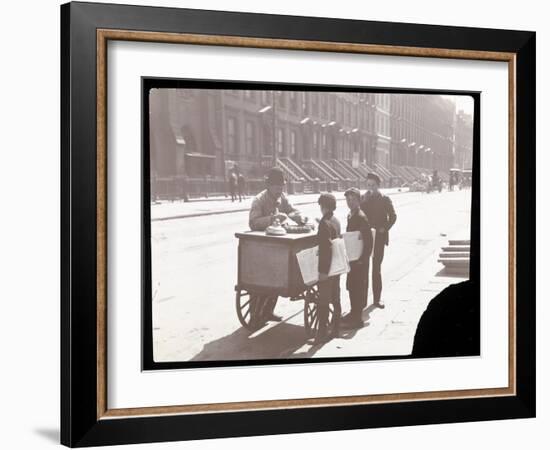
(328,136)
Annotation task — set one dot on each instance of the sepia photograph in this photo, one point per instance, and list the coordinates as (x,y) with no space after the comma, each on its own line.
(291,224)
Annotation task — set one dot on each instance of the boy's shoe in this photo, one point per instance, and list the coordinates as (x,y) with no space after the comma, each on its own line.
(352,321)
(274,318)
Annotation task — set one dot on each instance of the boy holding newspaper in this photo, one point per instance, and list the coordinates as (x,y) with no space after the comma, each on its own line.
(329,287)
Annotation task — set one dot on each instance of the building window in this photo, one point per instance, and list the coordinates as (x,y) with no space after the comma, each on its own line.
(249,95)
(292,143)
(250,138)
(186,94)
(232,136)
(279,141)
(314,104)
(267,144)
(281,98)
(293,99)
(332,107)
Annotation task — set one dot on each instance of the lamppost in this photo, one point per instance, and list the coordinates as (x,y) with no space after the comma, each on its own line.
(274,154)
(403,152)
(224,138)
(411,146)
(431,154)
(273,109)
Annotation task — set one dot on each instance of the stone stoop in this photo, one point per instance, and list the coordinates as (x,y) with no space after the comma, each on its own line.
(456,256)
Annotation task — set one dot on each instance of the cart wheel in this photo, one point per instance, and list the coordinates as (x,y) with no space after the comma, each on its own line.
(247,309)
(311,318)
(253,309)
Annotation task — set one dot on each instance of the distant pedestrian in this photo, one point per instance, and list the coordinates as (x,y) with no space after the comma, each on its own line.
(452,180)
(357,281)
(233,185)
(241,183)
(436,181)
(329,287)
(381,216)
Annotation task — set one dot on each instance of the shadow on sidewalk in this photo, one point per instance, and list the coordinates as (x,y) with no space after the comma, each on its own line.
(279,341)
(367,311)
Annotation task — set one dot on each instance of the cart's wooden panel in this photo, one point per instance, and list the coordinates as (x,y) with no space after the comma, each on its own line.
(264,264)
(268,264)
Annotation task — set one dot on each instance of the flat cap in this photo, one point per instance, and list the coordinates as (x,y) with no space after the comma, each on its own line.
(353,191)
(275,176)
(374,176)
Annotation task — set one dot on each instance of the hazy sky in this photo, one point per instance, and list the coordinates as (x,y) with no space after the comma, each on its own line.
(462,102)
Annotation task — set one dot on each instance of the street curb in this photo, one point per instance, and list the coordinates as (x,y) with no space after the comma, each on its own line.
(215,213)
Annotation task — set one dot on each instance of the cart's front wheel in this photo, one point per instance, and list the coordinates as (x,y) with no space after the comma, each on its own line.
(311,314)
(253,310)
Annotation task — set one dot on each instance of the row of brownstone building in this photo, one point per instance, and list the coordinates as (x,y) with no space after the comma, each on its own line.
(332,138)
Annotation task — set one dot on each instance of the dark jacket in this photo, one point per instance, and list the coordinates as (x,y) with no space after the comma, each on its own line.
(357,221)
(233,179)
(241,180)
(329,229)
(379,211)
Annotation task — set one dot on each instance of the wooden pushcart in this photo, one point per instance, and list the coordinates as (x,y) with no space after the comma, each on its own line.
(268,269)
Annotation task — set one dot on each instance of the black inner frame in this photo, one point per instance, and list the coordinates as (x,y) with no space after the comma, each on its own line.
(148,83)
(79,422)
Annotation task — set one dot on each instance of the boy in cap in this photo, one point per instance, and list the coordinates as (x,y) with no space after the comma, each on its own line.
(381,216)
(329,287)
(358,276)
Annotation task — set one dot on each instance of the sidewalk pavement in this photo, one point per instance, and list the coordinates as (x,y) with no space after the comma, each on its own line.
(166,210)
(390,331)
